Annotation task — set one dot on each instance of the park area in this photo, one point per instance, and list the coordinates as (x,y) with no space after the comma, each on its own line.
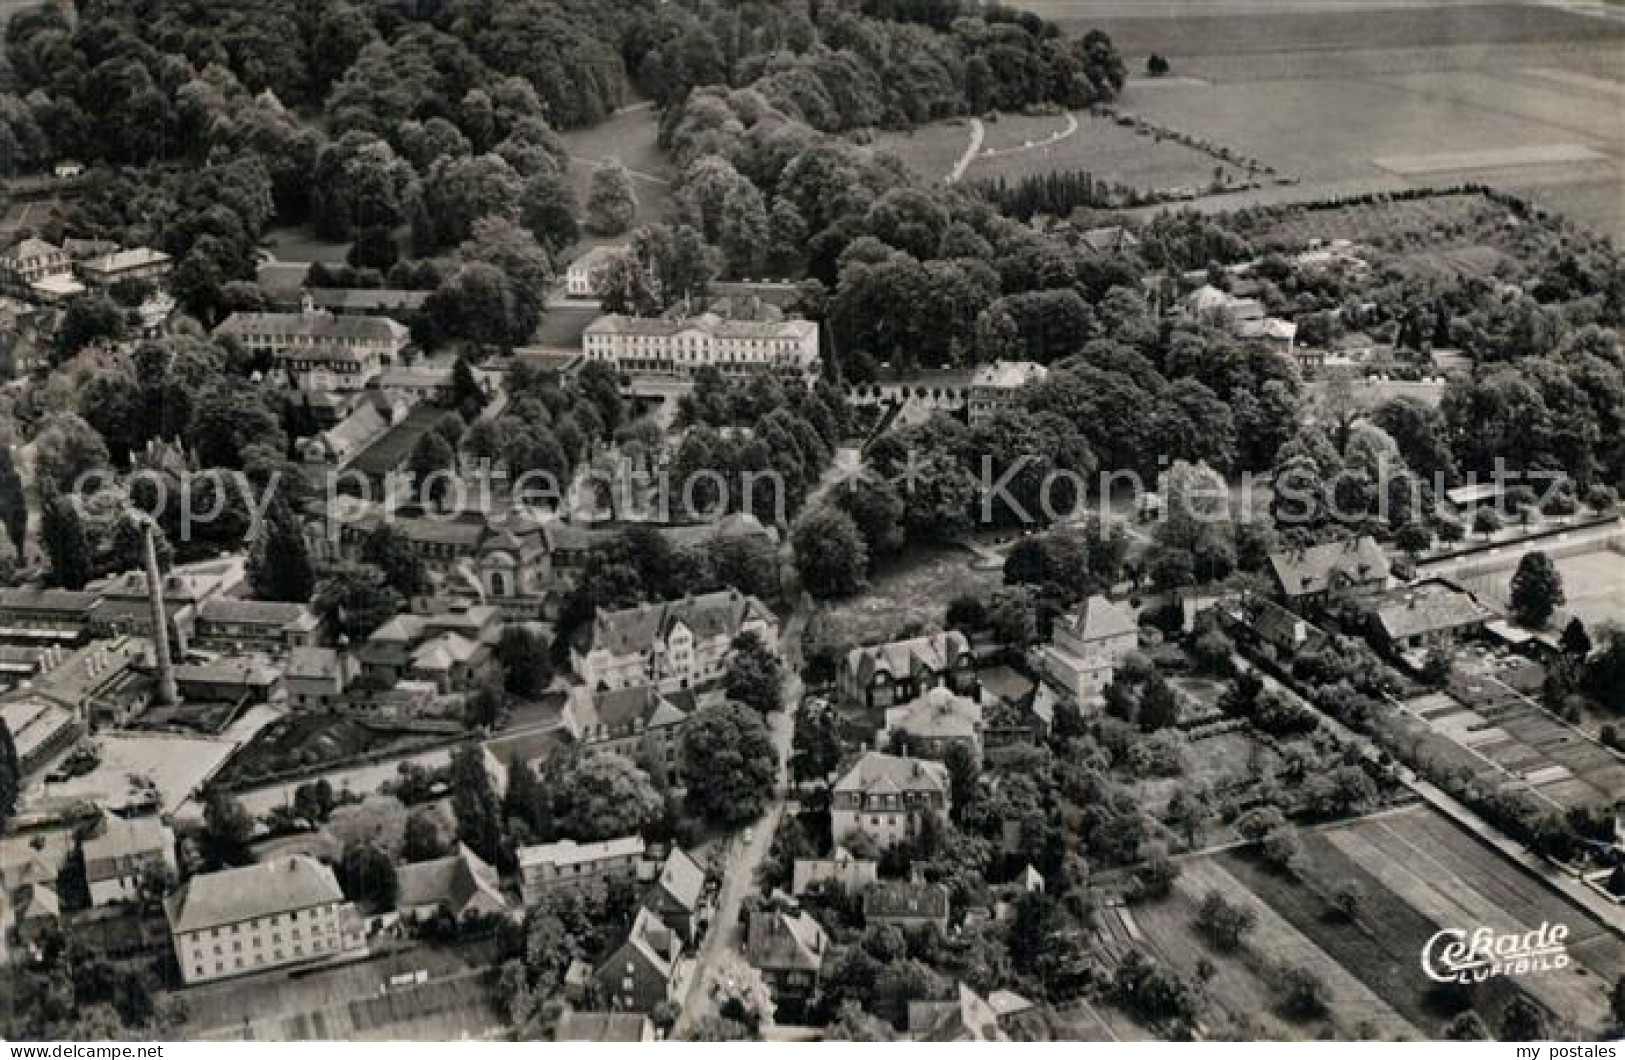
(1593,586)
(1414,873)
(630,134)
(910,593)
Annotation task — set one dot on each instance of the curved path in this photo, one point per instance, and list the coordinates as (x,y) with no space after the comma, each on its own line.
(978,132)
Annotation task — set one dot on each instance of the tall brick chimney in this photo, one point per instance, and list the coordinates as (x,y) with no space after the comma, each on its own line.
(165,694)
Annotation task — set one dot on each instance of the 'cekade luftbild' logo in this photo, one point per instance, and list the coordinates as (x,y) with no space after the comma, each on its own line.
(1456,956)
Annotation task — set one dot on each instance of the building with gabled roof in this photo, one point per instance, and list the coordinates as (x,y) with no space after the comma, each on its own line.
(580,278)
(459,885)
(1426,614)
(319,350)
(640,722)
(879,676)
(316,678)
(234,622)
(967,1018)
(994,387)
(841,869)
(126,850)
(30,261)
(277,913)
(641,973)
(885,797)
(789,948)
(566,863)
(677,894)
(1310,575)
(136,263)
(906,904)
(1086,648)
(673,644)
(933,723)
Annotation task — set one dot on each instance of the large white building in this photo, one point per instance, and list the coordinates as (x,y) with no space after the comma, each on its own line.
(657,346)
(280,912)
(318,350)
(672,645)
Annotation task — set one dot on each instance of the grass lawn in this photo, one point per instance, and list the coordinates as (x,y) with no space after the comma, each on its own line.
(914,590)
(301,244)
(629,135)
(1100,146)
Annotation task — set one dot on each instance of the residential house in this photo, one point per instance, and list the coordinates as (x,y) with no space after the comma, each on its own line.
(1086,648)
(126,851)
(1011,1009)
(657,346)
(316,678)
(1429,614)
(577,1026)
(676,644)
(137,263)
(1307,576)
(566,863)
(277,913)
(447,646)
(580,278)
(677,895)
(840,870)
(30,262)
(906,904)
(641,973)
(641,723)
(885,797)
(967,1018)
(459,885)
(1109,241)
(995,386)
(883,675)
(788,948)
(938,720)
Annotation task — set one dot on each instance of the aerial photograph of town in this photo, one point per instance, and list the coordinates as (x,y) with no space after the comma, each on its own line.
(586,521)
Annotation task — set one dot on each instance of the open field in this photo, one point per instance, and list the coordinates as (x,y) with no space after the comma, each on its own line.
(301,244)
(1360,95)
(1417,874)
(914,591)
(1593,582)
(1018,145)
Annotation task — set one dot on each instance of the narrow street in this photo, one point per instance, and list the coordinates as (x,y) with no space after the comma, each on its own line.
(721,955)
